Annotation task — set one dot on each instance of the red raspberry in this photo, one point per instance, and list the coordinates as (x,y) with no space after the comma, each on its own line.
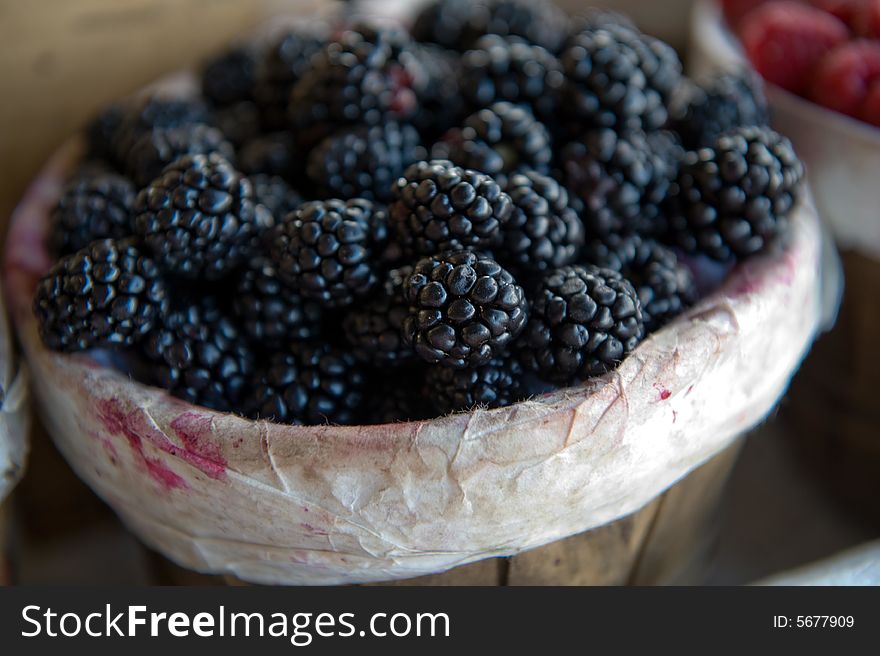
(843,78)
(866,22)
(785,40)
(845,10)
(871,106)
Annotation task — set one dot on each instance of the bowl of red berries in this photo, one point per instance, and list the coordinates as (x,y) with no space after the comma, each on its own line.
(820,61)
(377,301)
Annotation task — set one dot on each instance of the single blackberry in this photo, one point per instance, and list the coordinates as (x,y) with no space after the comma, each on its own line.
(459,23)
(584,320)
(701,112)
(613,80)
(107,294)
(312,384)
(268,312)
(156,149)
(285,61)
(199,217)
(464,309)
(361,78)
(275,195)
(156,112)
(398,398)
(229,78)
(240,123)
(101,132)
(373,328)
(664,285)
(732,200)
(202,356)
(91,207)
(511,69)
(441,104)
(437,206)
(273,154)
(326,249)
(364,161)
(496,384)
(620,179)
(498,140)
(544,231)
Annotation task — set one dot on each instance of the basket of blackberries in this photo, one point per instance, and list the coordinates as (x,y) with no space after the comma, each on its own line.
(378,300)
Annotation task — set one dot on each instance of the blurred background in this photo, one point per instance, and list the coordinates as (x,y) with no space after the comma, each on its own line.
(792,498)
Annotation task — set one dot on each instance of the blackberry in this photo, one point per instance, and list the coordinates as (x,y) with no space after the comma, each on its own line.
(511,69)
(275,195)
(107,294)
(544,231)
(312,384)
(619,178)
(101,132)
(272,154)
(459,23)
(229,78)
(493,385)
(440,101)
(199,217)
(156,112)
(325,250)
(239,123)
(373,328)
(156,149)
(464,309)
(498,140)
(364,161)
(664,285)
(201,355)
(596,17)
(584,320)
(358,79)
(268,312)
(398,398)
(614,79)
(285,61)
(699,113)
(437,206)
(733,199)
(91,207)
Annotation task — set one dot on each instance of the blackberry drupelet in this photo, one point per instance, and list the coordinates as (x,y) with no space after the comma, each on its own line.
(313,384)
(620,179)
(285,61)
(91,207)
(437,206)
(613,80)
(156,149)
(272,153)
(154,113)
(493,385)
(373,329)
(584,320)
(732,200)
(275,194)
(202,356)
(511,69)
(445,23)
(498,140)
(544,231)
(441,105)
(327,250)
(364,161)
(360,78)
(199,218)
(229,78)
(464,309)
(664,285)
(268,312)
(699,113)
(107,294)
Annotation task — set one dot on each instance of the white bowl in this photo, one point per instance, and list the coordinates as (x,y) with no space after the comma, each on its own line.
(842,155)
(14,414)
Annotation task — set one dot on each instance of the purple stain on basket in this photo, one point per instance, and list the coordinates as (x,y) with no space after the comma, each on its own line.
(195,431)
(665,394)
